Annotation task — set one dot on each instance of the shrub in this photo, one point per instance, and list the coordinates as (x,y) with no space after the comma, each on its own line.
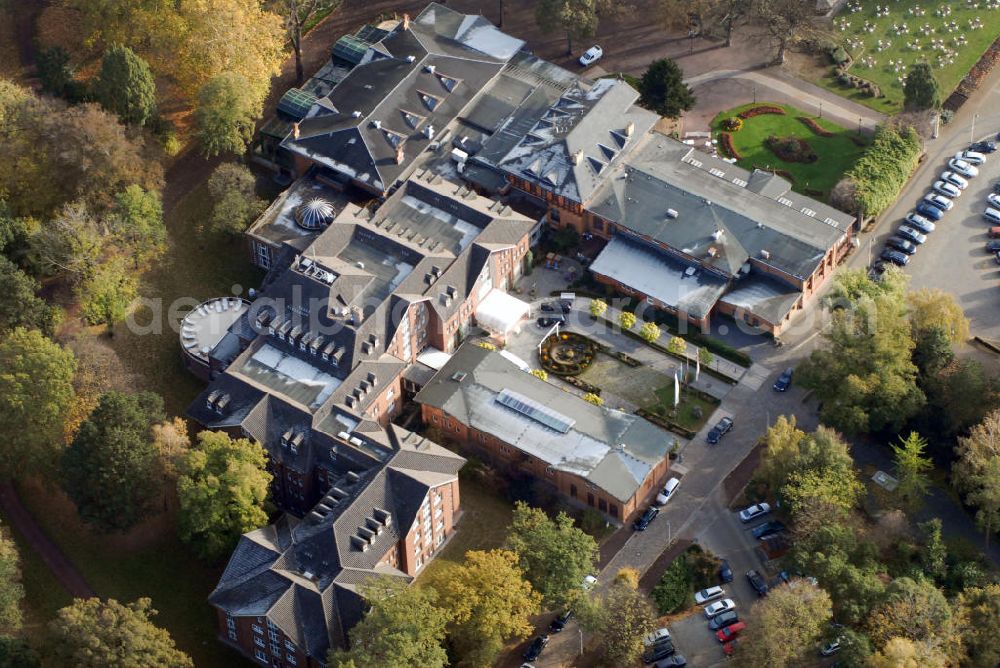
(839,56)
(815,127)
(761,110)
(592,398)
(650,332)
(486,345)
(541,374)
(791,149)
(677,345)
(885,167)
(726,143)
(598,307)
(732,124)
(626,320)
(673,592)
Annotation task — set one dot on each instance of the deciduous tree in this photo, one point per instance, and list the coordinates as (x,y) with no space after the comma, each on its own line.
(677,345)
(912,466)
(626,319)
(107,291)
(109,468)
(932,307)
(649,332)
(403,627)
(490,602)
(916,610)
(225,116)
(592,398)
(137,218)
(577,18)
(170,438)
(977,472)
(663,90)
(906,653)
(598,307)
(789,623)
(19,304)
(554,555)
(11,590)
(621,619)
(298,14)
(125,86)
(784,21)
(36,397)
(978,609)
(234,196)
(92,633)
(222,490)
(921,89)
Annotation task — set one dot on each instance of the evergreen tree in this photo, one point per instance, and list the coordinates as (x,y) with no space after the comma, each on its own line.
(663,89)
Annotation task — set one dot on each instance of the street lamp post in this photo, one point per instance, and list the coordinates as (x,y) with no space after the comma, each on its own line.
(821,109)
(755,94)
(859,125)
(972,130)
(581,641)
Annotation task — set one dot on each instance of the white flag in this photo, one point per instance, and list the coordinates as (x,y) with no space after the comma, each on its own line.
(697,366)
(677,390)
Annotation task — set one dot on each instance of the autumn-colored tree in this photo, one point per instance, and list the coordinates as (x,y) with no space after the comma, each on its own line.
(789,623)
(932,307)
(490,602)
(540,374)
(977,472)
(621,618)
(978,609)
(912,466)
(916,610)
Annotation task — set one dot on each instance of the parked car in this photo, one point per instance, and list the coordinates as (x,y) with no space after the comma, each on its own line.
(535,648)
(647,517)
(971,157)
(757,582)
(709,594)
(996,257)
(996,187)
(725,572)
(946,189)
(721,428)
(559,623)
(551,320)
(548,307)
(986,146)
(918,222)
(723,620)
(830,648)
(931,212)
(954,179)
(911,234)
(658,651)
(993,199)
(767,529)
(668,491)
(940,201)
(963,168)
(750,513)
(591,55)
(894,256)
(673,661)
(992,215)
(993,245)
(659,635)
(901,244)
(784,380)
(994,232)
(730,632)
(719,607)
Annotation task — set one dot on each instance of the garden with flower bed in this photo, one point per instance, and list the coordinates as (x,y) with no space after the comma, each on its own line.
(885,37)
(811,152)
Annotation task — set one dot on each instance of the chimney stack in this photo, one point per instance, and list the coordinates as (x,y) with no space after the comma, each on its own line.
(295,130)
(578,157)
(630,128)
(406,21)
(400,154)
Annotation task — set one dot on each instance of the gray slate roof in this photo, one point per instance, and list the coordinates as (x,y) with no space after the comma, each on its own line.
(591,448)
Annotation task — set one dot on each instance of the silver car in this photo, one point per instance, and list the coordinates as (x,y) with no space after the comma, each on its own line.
(955,180)
(946,189)
(963,168)
(911,234)
(916,221)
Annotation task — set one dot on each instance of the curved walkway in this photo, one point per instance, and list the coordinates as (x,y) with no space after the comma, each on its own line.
(42,545)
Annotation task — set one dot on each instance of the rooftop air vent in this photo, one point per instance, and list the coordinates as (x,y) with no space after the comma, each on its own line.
(672,213)
(410,58)
(459,376)
(765,254)
(356,114)
(718,235)
(430,68)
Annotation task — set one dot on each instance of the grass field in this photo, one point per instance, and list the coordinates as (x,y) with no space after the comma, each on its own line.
(836,154)
(883,47)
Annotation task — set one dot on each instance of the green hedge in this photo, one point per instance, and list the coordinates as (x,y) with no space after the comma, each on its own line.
(693,570)
(885,167)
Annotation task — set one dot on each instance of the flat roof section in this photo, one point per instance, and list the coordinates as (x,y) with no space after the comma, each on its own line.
(277,224)
(675,283)
(205,326)
(293,377)
(387,269)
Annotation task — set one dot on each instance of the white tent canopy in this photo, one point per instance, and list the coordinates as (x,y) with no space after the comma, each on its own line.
(500,313)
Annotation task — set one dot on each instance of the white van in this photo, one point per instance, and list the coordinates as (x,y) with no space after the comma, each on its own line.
(992,215)
(668,491)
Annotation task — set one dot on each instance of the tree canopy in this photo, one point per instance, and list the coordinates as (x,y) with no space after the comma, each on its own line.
(235,203)
(577,18)
(92,633)
(912,466)
(491,603)
(920,88)
(916,610)
(110,469)
(222,489)
(554,555)
(663,90)
(403,627)
(977,472)
(979,613)
(19,304)
(621,618)
(11,589)
(226,113)
(789,624)
(36,397)
(125,86)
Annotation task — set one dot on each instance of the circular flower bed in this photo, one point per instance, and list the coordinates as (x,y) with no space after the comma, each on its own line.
(567,354)
(732,124)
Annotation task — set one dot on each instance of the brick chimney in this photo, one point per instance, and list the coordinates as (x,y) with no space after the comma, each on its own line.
(400,154)
(406,21)
(295,130)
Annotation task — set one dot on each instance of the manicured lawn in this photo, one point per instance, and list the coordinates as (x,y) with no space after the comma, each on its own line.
(196,266)
(686,414)
(616,377)
(836,153)
(883,47)
(150,562)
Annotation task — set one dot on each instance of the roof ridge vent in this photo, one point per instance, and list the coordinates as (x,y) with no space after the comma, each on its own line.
(430,68)
(672,213)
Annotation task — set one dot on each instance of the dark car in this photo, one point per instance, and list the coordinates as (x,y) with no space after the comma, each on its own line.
(767,529)
(996,257)
(993,245)
(928,211)
(723,620)
(784,380)
(672,661)
(559,623)
(535,648)
(996,187)
(901,244)
(757,582)
(548,307)
(550,321)
(984,146)
(658,651)
(647,517)
(720,430)
(565,305)
(725,572)
(894,256)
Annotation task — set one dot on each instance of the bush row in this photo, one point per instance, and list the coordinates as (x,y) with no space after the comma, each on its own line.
(848,80)
(664,423)
(582,384)
(791,149)
(815,127)
(885,167)
(726,142)
(761,110)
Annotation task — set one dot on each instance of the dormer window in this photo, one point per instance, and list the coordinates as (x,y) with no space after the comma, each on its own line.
(430,101)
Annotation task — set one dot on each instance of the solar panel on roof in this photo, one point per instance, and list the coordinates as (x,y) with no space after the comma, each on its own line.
(296,102)
(534,410)
(349,49)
